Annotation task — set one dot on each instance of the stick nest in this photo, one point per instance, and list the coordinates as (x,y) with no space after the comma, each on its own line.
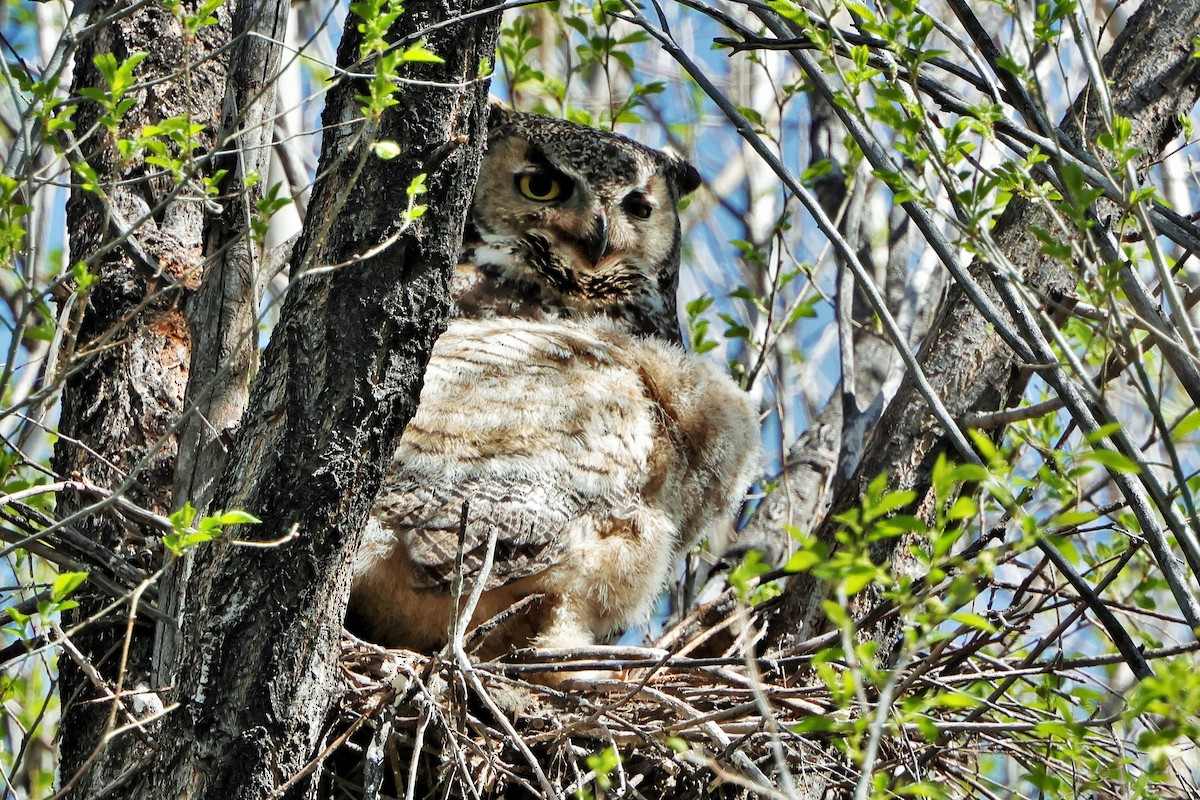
(689,717)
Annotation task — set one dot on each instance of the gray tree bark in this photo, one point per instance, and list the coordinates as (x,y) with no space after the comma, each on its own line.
(255,656)
(131,347)
(258,645)
(222,315)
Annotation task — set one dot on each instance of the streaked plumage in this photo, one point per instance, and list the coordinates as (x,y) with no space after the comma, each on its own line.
(559,406)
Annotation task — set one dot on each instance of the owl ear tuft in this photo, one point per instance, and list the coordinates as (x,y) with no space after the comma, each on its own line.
(689,177)
(685,176)
(498,114)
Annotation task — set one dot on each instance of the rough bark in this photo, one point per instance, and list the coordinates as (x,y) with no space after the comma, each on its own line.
(259,640)
(130,349)
(222,314)
(1154,80)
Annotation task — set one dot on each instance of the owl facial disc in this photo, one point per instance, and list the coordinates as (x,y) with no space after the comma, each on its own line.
(574,222)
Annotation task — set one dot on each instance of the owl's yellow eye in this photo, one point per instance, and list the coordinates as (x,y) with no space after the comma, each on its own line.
(541,187)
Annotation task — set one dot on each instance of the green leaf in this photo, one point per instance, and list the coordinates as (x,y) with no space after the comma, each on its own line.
(802,311)
(17,617)
(837,615)
(43,332)
(963,508)
(182,519)
(577,24)
(420,54)
(743,575)
(622,58)
(751,115)
(698,306)
(863,11)
(857,578)
(92,93)
(816,170)
(235,517)
(815,725)
(974,621)
(1113,460)
(734,329)
(83,278)
(790,11)
(802,561)
(1073,517)
(986,447)
(602,764)
(65,583)
(416,186)
(1138,195)
(1186,425)
(179,543)
(386,150)
(1053,728)
(204,15)
(188,532)
(890,502)
(1102,433)
(969,473)
(955,700)
(896,525)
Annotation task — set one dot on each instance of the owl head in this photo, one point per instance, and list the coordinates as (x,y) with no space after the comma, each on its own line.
(573,222)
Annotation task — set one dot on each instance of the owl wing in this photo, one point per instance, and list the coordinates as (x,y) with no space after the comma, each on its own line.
(540,429)
(429,519)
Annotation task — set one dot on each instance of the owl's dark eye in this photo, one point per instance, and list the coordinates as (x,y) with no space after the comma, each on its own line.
(637,205)
(543,187)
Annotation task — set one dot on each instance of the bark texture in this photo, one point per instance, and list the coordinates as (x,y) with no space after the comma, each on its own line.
(257,670)
(222,315)
(130,347)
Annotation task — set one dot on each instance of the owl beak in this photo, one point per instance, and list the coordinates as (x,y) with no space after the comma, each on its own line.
(595,244)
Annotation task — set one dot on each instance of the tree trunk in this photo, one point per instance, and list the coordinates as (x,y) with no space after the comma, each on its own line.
(259,642)
(255,656)
(223,314)
(131,347)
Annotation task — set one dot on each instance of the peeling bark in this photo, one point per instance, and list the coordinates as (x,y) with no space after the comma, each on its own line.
(131,348)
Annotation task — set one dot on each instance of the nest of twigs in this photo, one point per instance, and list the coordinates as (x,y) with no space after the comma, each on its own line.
(699,715)
(692,716)
(703,713)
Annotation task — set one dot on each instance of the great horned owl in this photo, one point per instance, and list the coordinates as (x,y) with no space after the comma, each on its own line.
(558,406)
